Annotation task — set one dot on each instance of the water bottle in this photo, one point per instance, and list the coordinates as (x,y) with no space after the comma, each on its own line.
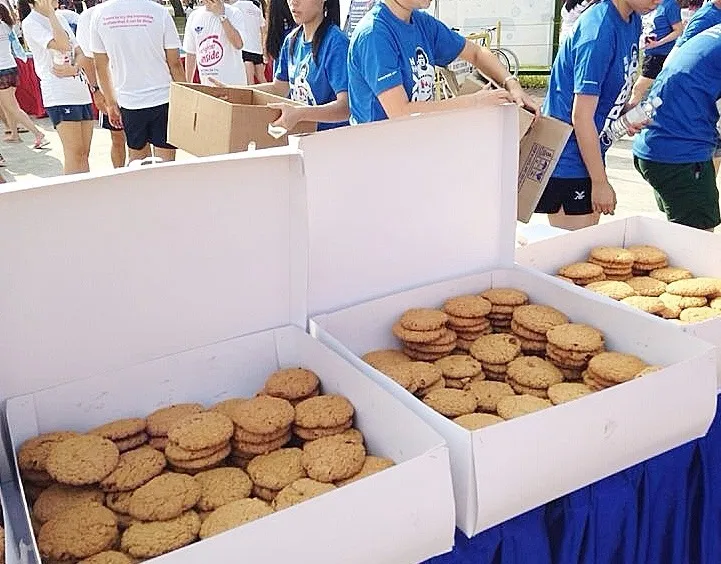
(634,117)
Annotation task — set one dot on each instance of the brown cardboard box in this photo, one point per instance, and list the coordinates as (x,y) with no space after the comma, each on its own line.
(208,120)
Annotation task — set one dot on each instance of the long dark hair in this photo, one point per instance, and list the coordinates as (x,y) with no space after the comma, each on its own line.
(331,16)
(571,4)
(6,17)
(24,9)
(280,20)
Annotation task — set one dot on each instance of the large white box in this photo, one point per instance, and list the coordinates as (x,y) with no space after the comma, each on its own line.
(699,251)
(187,282)
(408,225)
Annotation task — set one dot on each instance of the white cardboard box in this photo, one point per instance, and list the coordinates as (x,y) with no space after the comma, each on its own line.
(183,282)
(699,251)
(379,233)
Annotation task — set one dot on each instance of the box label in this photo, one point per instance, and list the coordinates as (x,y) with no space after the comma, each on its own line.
(536,165)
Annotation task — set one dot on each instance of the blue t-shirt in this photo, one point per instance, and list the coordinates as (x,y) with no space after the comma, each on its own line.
(684,128)
(599,58)
(386,52)
(315,82)
(705,17)
(661,22)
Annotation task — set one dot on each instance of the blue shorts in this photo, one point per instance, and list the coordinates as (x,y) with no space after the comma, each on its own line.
(78,112)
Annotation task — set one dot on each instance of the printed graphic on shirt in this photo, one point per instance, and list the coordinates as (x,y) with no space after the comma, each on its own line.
(210,51)
(424,75)
(647,22)
(300,90)
(630,68)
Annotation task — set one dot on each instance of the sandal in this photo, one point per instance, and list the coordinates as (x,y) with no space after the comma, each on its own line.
(41,143)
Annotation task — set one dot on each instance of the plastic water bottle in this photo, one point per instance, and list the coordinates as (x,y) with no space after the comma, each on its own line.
(634,117)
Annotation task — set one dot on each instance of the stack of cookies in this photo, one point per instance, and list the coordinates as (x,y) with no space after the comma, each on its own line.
(533,376)
(504,301)
(459,370)
(31,461)
(385,358)
(695,295)
(274,471)
(162,420)
(571,346)
(530,324)
(611,368)
(582,273)
(646,259)
(333,459)
(125,433)
(467,319)
(292,384)
(418,377)
(613,289)
(322,416)
(617,262)
(199,442)
(424,334)
(495,352)
(262,425)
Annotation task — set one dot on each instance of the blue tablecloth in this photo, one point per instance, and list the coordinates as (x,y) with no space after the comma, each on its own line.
(666,510)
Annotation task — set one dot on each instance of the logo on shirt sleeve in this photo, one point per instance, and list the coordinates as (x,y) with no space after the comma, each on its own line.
(424,75)
(210,51)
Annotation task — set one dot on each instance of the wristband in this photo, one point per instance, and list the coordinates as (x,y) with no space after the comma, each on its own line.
(223,18)
(508,79)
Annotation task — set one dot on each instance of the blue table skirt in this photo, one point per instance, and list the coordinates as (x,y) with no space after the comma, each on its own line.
(666,510)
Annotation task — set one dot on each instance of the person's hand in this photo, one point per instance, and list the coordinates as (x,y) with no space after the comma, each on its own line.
(44,7)
(64,71)
(113,113)
(521,98)
(289,115)
(216,7)
(484,98)
(603,198)
(651,44)
(100,102)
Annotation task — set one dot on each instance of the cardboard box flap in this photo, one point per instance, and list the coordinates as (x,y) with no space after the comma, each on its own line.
(450,214)
(103,272)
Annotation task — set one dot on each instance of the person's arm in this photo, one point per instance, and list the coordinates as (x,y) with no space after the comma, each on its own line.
(177,72)
(603,196)
(231,23)
(105,81)
(60,39)
(395,102)
(676,31)
(190,63)
(277,87)
(333,112)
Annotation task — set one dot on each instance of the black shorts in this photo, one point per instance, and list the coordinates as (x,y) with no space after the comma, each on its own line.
(147,125)
(652,65)
(105,123)
(255,58)
(571,194)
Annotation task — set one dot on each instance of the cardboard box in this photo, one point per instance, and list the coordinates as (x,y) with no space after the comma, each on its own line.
(208,120)
(690,248)
(168,288)
(417,238)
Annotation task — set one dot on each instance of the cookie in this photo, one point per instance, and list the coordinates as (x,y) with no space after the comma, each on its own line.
(646,254)
(451,403)
(695,287)
(459,366)
(647,286)
(410,336)
(616,367)
(74,535)
(323,412)
(418,356)
(34,452)
(228,406)
(532,347)
(575,337)
(233,515)
(670,274)
(462,323)
(164,497)
(488,394)
(133,441)
(475,421)
(162,420)
(620,277)
(431,348)
(135,468)
(505,296)
(670,311)
(314,434)
(533,372)
(467,306)
(240,447)
(581,270)
(278,469)
(382,359)
(527,334)
(423,374)
(511,407)
(330,460)
(174,453)
(571,374)
(158,443)
(120,429)
(201,431)
(423,319)
(299,491)
(221,486)
(371,465)
(292,384)
(614,289)
(202,463)
(82,460)
(645,303)
(263,415)
(683,302)
(538,318)
(567,391)
(612,256)
(147,540)
(264,493)
(715,304)
(496,349)
(525,390)
(108,557)
(59,498)
(36,478)
(119,502)
(698,314)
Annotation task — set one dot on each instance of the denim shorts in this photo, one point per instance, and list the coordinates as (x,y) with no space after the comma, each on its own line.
(77,112)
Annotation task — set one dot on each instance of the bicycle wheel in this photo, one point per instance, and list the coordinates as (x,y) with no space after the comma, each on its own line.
(510,60)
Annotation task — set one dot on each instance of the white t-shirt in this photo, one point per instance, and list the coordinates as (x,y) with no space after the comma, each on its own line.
(135,35)
(253,18)
(569,17)
(7,61)
(216,57)
(56,91)
(82,33)
(69,15)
